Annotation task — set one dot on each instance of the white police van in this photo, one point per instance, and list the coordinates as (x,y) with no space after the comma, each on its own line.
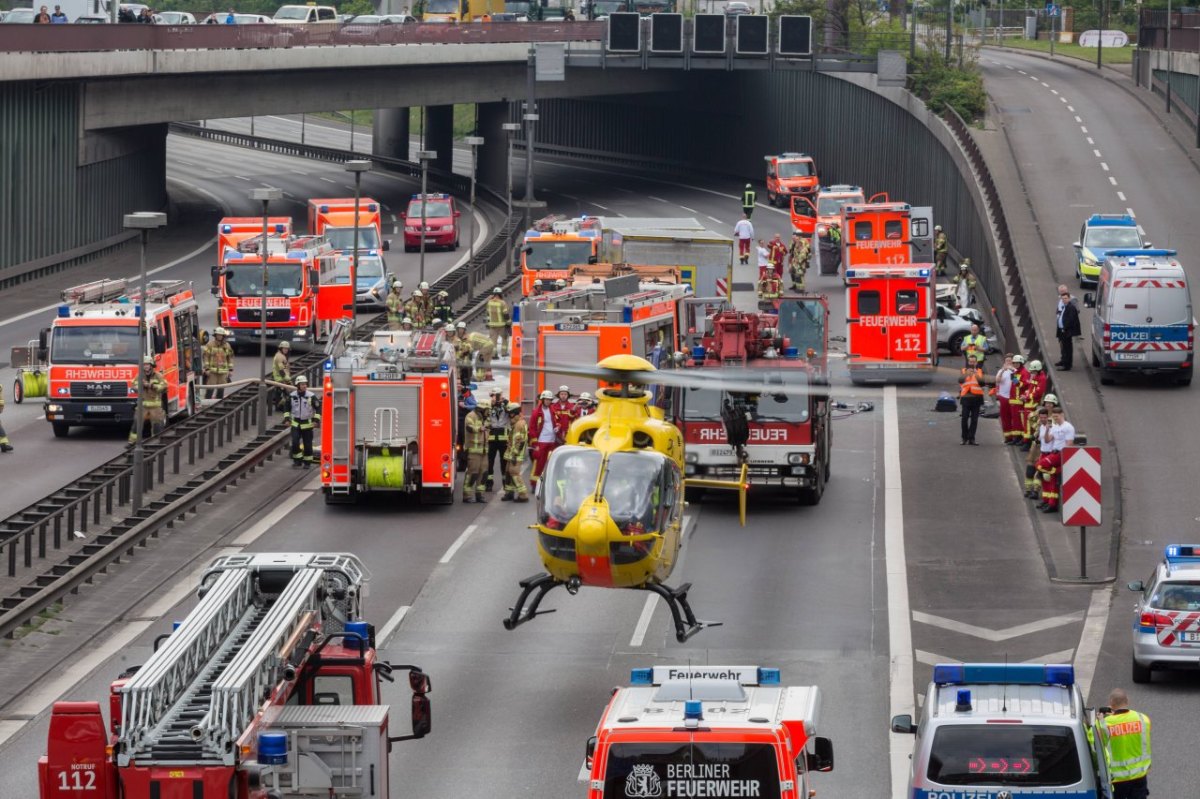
(1001,731)
(1143,321)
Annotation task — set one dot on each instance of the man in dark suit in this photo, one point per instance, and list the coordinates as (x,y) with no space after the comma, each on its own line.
(1068,328)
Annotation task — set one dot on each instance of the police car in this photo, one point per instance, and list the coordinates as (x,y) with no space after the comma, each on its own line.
(1101,233)
(1166,618)
(440,220)
(1002,731)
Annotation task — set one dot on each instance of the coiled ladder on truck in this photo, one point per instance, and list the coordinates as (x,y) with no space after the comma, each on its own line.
(199,693)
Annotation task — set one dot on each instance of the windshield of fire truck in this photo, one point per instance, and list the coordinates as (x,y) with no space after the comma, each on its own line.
(692,769)
(832,206)
(795,169)
(434,209)
(633,485)
(245,280)
(570,478)
(556,254)
(802,323)
(342,238)
(781,400)
(95,344)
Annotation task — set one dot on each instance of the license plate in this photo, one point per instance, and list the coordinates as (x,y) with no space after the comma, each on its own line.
(1191,638)
(1131,356)
(99,409)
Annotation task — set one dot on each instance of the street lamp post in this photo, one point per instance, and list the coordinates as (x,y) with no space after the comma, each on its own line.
(357,167)
(263,195)
(424,156)
(144,221)
(511,128)
(474,142)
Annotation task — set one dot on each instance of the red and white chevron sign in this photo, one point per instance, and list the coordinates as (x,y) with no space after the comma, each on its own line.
(1081,506)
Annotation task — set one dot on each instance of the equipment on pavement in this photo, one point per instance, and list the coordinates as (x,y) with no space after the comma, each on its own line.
(390,414)
(270,687)
(718,731)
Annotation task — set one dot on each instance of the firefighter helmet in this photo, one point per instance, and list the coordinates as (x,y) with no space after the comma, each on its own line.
(1035,366)
(301,380)
(513,407)
(585,397)
(546,395)
(483,405)
(148,360)
(406,320)
(1018,358)
(964,266)
(461,326)
(1050,399)
(937,228)
(424,285)
(285,345)
(560,284)
(220,331)
(397,285)
(436,322)
(443,294)
(494,391)
(538,283)
(497,290)
(417,293)
(567,389)
(749,186)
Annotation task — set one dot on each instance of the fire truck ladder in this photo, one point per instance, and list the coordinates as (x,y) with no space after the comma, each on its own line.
(342,444)
(97,291)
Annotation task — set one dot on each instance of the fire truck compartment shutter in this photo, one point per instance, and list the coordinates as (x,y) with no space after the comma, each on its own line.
(571,349)
(387,414)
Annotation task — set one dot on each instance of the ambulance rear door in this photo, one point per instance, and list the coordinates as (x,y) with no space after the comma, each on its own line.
(866,308)
(920,234)
(889,317)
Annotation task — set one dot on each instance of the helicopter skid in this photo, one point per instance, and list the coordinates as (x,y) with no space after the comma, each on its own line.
(686,624)
(539,585)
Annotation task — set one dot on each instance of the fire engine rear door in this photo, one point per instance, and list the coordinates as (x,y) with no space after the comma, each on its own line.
(574,348)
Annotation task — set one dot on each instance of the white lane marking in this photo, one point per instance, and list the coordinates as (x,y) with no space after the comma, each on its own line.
(1104,166)
(458,543)
(652,197)
(185,163)
(1090,140)
(1008,66)
(1023,72)
(1129,210)
(1033,77)
(289,195)
(598,205)
(643,622)
(1052,91)
(900,651)
(297,172)
(329,180)
(1071,108)
(239,177)
(713,218)
(1087,654)
(1112,180)
(1047,85)
(1121,196)
(1078,118)
(689,210)
(1097,152)
(1062,99)
(387,207)
(278,514)
(394,220)
(392,624)
(995,636)
(1083,128)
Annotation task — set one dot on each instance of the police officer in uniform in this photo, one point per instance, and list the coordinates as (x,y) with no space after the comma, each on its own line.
(217,359)
(303,413)
(498,422)
(475,441)
(1126,737)
(515,455)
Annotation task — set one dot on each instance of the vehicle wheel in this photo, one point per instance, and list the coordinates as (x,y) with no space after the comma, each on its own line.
(60,429)
(955,344)
(1140,673)
(693,494)
(1095,360)
(1185,378)
(1106,378)
(455,247)
(812,496)
(770,199)
(18,391)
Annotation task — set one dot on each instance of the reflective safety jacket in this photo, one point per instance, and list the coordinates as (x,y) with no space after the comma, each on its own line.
(497,313)
(975,345)
(498,423)
(218,358)
(972,383)
(518,441)
(748,198)
(1127,744)
(304,410)
(152,386)
(475,433)
(281,370)
(395,306)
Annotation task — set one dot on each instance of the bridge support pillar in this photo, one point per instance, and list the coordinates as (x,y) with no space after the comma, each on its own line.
(439,135)
(492,169)
(390,133)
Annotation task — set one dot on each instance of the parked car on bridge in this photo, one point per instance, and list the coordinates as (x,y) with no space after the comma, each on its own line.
(92,19)
(302,15)
(19,16)
(174,18)
(735,8)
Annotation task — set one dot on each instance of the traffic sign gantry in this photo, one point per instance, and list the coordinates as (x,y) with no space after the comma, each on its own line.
(1081,506)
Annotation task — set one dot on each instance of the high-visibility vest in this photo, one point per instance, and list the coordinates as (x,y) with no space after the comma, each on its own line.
(971,385)
(976,344)
(518,442)
(748,198)
(1127,743)
(475,435)
(497,313)
(304,410)
(153,387)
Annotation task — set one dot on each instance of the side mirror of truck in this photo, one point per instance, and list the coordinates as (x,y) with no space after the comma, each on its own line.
(1136,585)
(419,682)
(216,280)
(422,718)
(314,278)
(1089,300)
(903,724)
(387,245)
(43,345)
(589,751)
(821,759)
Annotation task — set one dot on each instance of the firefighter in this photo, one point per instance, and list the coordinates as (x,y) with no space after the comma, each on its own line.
(462,353)
(1034,390)
(152,388)
(5,446)
(499,320)
(769,288)
(587,404)
(406,324)
(515,455)
(1021,379)
(1126,737)
(831,246)
(414,309)
(941,248)
(303,413)
(778,251)
(974,345)
(543,433)
(1059,434)
(498,422)
(466,404)
(748,200)
(475,443)
(281,371)
(798,256)
(564,409)
(442,308)
(966,281)
(538,289)
(426,301)
(482,350)
(1033,483)
(395,305)
(217,359)
(970,398)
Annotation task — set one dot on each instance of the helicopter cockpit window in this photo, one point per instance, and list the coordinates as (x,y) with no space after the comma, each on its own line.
(570,478)
(633,488)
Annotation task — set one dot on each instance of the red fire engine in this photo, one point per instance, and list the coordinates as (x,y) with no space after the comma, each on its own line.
(333,219)
(92,355)
(553,245)
(389,415)
(270,687)
(291,290)
(891,323)
(789,436)
(708,731)
(585,324)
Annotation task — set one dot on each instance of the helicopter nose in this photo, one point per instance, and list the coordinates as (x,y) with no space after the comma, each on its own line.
(592,535)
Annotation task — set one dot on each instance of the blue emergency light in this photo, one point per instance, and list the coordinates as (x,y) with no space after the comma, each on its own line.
(358,633)
(1183,553)
(279,228)
(922,273)
(372,207)
(175,625)
(226,228)
(791,352)
(641,677)
(1135,253)
(962,703)
(324,209)
(768,676)
(64,311)
(272,748)
(329,364)
(627,314)
(850,273)
(999,673)
(693,709)
(516,314)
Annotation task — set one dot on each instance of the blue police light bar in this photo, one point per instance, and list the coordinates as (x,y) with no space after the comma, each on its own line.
(641,677)
(1111,220)
(693,709)
(1004,673)
(1183,553)
(64,311)
(1135,253)
(627,315)
(768,676)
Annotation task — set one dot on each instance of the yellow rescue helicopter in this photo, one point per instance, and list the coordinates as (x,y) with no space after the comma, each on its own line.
(610,500)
